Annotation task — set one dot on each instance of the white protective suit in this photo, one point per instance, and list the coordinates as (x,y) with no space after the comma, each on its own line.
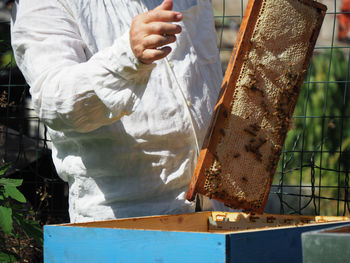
(125,135)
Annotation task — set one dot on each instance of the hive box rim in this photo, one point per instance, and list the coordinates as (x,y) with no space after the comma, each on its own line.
(329,231)
(113,224)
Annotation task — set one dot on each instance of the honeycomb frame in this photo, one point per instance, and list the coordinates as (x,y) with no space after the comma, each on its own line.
(254,111)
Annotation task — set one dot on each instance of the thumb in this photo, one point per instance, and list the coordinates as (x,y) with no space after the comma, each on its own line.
(166,5)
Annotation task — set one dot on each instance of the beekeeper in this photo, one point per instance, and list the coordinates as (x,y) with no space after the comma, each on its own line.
(126,89)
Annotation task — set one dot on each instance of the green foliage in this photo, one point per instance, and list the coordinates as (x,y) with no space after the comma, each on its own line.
(12,213)
(30,228)
(6,219)
(8,60)
(4,168)
(6,257)
(10,189)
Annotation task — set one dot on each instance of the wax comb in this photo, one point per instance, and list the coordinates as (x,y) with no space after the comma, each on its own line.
(253,114)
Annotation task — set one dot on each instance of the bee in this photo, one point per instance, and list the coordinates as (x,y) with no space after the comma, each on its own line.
(277,78)
(257,45)
(295,89)
(293,77)
(236,155)
(264,125)
(224,112)
(255,127)
(261,143)
(264,106)
(305,220)
(255,150)
(250,132)
(248,116)
(258,156)
(288,220)
(252,76)
(254,88)
(276,102)
(253,218)
(270,219)
(222,131)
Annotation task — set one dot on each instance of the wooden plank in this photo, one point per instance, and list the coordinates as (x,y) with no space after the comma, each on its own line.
(195,222)
(84,245)
(341,230)
(258,95)
(198,222)
(270,246)
(231,222)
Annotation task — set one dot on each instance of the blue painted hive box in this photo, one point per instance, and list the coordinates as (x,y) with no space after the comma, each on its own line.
(198,237)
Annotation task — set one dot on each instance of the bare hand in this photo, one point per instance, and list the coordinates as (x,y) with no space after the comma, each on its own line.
(152,31)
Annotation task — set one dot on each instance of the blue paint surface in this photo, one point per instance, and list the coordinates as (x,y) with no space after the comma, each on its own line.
(277,245)
(81,244)
(65,244)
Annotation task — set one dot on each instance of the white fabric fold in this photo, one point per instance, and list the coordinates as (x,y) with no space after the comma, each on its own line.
(122,136)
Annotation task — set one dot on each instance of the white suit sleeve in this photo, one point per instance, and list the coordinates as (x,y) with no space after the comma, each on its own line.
(69,91)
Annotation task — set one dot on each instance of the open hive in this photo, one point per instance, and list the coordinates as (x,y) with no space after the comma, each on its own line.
(204,237)
(254,111)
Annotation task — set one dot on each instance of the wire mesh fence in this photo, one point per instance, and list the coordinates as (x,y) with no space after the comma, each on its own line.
(313,173)
(23,140)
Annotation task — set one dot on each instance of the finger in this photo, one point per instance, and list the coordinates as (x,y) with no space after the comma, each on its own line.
(151,55)
(166,5)
(163,16)
(155,41)
(162,28)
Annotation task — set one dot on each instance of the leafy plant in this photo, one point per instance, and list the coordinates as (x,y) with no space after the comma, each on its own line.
(8,60)
(15,219)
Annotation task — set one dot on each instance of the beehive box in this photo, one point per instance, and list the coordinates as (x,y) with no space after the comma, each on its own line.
(327,245)
(254,111)
(200,237)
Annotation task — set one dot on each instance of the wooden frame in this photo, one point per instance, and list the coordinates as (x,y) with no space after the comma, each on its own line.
(208,178)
